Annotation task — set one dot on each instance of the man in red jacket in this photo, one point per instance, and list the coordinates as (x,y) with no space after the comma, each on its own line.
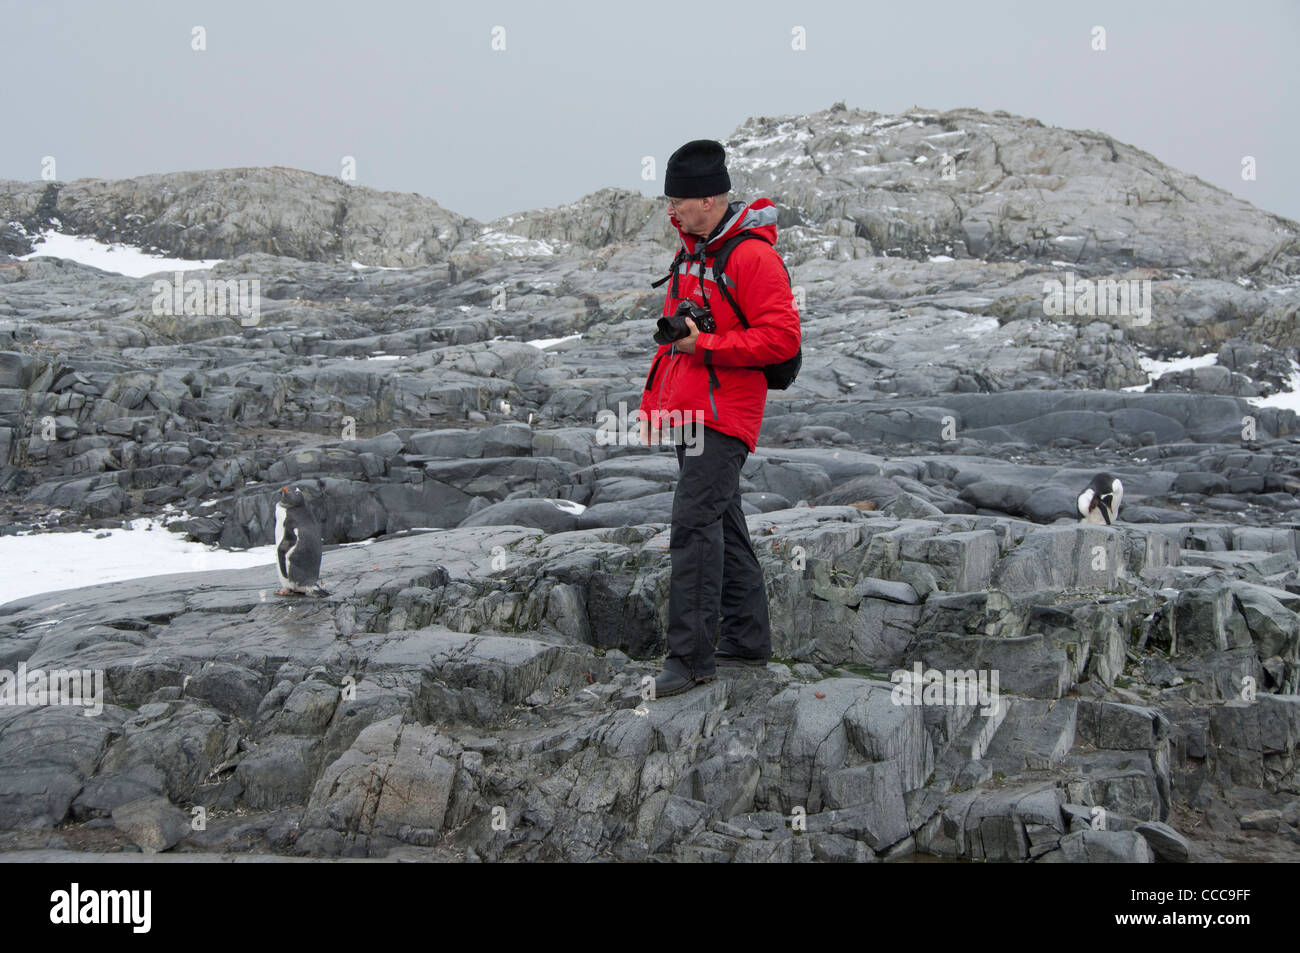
(716,378)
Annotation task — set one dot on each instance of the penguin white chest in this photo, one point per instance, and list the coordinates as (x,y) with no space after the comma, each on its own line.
(1100,502)
(279,538)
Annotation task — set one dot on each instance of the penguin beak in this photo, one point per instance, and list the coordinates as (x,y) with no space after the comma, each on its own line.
(1105,509)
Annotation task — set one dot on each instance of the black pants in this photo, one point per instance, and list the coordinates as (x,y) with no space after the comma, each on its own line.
(714,566)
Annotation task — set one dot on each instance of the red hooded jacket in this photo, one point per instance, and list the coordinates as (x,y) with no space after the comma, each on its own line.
(758,281)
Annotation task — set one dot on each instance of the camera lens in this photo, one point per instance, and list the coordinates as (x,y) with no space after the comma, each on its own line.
(671,329)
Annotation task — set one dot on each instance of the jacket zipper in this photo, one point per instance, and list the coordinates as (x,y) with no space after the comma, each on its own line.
(659,399)
(653,367)
(704,297)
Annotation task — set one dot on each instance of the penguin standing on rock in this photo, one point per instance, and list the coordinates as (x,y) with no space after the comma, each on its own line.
(1100,501)
(297,546)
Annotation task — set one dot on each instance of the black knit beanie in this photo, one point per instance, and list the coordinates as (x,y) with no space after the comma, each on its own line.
(697,169)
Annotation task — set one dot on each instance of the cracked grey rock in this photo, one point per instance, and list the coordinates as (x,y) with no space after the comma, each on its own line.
(152,823)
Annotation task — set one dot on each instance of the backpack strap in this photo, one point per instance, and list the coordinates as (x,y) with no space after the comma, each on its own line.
(720,260)
(672,271)
(675,268)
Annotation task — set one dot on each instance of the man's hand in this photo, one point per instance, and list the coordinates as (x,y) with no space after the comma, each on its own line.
(687,344)
(646,440)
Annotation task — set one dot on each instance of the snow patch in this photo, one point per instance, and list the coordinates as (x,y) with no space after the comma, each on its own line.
(1285,400)
(783,135)
(120,259)
(980,326)
(45,562)
(548,342)
(515,246)
(1156,368)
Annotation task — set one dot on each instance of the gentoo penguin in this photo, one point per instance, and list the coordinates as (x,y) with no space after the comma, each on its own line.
(1100,501)
(297,546)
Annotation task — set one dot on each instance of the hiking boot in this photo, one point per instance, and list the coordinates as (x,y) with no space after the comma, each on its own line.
(733,661)
(671,683)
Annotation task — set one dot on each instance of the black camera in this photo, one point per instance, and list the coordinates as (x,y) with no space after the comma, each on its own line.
(673,328)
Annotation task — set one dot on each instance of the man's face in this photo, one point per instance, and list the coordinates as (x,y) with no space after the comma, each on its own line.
(693,214)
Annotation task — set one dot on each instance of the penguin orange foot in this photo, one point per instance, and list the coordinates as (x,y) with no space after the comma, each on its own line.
(297,545)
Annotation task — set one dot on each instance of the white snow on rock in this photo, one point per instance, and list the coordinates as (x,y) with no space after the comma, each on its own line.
(45,562)
(548,342)
(515,246)
(979,326)
(1156,368)
(119,259)
(786,133)
(1287,399)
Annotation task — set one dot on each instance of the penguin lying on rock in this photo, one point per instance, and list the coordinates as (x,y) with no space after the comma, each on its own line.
(1100,501)
(297,546)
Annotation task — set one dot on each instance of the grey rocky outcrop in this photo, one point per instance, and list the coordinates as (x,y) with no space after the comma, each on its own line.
(477,692)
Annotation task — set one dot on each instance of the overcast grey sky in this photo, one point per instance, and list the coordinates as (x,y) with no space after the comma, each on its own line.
(582,90)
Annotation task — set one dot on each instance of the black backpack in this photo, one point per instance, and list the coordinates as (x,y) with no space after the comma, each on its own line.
(779,376)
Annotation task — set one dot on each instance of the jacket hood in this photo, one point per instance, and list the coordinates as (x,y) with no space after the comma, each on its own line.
(758,216)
